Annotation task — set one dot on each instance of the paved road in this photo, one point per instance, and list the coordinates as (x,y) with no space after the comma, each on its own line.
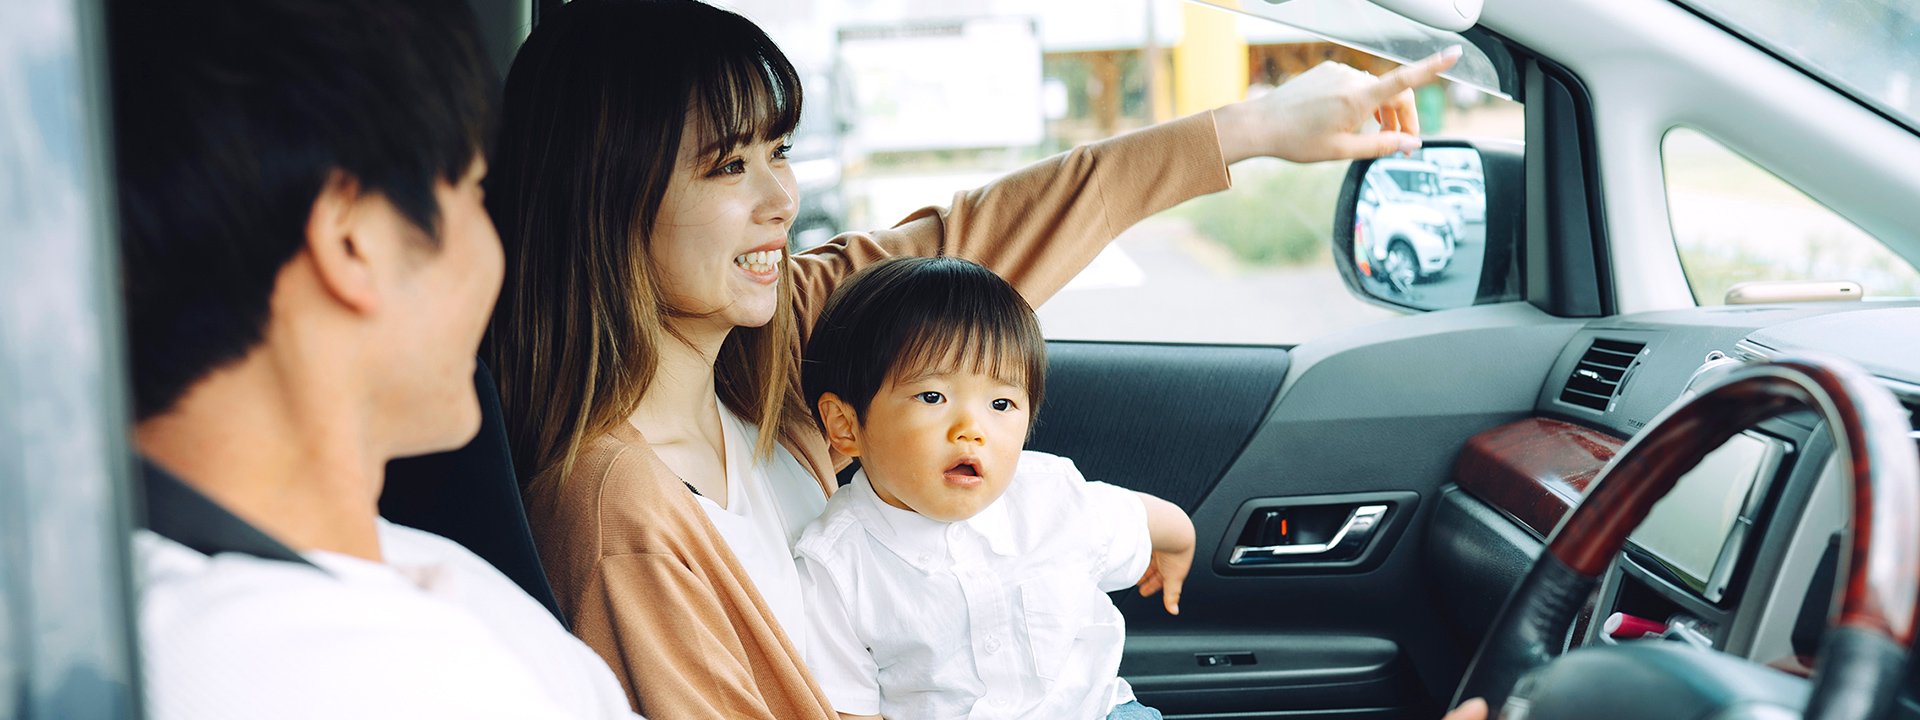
(1160,281)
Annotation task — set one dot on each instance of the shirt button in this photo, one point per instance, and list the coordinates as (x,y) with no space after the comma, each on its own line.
(993,645)
(926,558)
(999,702)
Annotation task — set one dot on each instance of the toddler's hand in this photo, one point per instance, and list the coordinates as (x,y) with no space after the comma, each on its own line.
(1167,572)
(1171,534)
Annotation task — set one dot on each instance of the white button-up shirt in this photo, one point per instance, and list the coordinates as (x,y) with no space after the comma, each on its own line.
(1001,615)
(433,632)
(768,504)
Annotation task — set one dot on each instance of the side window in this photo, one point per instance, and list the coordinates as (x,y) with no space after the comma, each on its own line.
(907,103)
(1253,265)
(1734,222)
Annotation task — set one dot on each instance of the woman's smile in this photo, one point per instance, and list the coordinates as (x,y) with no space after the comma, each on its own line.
(762,264)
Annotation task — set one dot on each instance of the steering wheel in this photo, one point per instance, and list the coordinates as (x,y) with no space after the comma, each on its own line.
(1863,656)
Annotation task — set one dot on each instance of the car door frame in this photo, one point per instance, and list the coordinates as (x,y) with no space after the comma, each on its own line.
(67,592)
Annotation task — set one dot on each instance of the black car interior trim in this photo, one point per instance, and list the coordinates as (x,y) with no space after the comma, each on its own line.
(1568,272)
(1475,556)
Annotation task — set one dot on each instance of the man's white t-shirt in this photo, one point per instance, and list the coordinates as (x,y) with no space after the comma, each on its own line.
(434,632)
(768,505)
(1001,615)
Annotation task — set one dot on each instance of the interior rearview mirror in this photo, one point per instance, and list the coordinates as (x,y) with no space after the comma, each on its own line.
(1433,230)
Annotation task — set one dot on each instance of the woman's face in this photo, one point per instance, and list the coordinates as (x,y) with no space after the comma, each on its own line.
(721,236)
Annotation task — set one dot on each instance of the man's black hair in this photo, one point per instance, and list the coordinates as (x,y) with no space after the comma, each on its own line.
(915,314)
(229,118)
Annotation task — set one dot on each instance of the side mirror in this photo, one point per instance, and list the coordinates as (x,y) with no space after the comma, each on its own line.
(1437,230)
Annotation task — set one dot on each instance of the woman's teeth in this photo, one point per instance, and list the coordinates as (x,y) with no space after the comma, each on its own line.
(759,263)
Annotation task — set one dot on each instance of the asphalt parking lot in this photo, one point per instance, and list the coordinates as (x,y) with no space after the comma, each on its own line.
(1161,281)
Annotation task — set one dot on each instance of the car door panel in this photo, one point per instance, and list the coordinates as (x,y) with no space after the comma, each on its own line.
(1161,419)
(1278,672)
(1380,409)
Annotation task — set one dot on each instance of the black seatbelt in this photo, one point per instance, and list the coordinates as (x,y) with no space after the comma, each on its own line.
(180,513)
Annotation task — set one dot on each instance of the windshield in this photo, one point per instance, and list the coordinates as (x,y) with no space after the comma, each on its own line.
(1871,48)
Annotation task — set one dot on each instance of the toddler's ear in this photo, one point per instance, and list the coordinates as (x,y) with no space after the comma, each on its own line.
(840,421)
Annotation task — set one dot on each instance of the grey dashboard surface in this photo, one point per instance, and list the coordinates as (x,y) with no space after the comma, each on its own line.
(1883,336)
(1884,340)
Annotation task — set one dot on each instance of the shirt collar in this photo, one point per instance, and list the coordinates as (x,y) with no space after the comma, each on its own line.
(921,541)
(177,512)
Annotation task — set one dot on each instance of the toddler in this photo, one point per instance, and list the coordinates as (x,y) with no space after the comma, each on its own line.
(958,576)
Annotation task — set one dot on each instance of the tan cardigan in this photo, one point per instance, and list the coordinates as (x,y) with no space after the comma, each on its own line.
(639,569)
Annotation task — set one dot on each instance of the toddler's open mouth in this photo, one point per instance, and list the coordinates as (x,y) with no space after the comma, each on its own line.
(964,473)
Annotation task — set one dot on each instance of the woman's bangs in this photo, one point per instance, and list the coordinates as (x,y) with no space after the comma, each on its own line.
(746,98)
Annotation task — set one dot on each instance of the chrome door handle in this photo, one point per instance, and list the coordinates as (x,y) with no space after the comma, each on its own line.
(1351,538)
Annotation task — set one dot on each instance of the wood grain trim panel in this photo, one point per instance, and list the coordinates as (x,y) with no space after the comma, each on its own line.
(1535,469)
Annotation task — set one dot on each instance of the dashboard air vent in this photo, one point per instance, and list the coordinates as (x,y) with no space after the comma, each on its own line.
(1598,374)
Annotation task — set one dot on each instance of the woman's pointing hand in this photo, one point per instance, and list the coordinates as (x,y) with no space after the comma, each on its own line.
(1313,116)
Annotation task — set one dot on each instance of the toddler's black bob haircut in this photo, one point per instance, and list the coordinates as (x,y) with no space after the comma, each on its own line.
(910,315)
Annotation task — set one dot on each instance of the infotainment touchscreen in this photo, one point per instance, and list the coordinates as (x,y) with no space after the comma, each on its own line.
(1697,530)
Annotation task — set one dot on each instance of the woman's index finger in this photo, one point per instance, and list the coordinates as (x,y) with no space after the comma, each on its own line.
(1413,75)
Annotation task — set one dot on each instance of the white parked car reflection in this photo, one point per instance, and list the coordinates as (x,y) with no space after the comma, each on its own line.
(1462,191)
(1397,238)
(1415,182)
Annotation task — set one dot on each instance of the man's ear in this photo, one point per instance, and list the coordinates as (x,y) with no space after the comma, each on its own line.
(841,424)
(337,234)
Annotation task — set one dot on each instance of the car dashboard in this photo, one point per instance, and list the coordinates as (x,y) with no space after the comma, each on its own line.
(1741,556)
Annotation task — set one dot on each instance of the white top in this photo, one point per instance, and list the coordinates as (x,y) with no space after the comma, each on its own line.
(1000,615)
(435,632)
(767,507)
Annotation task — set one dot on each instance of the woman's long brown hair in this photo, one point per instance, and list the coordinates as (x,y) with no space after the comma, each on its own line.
(595,106)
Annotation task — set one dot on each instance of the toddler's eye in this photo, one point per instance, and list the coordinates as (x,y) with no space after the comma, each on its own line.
(780,153)
(1003,404)
(930,398)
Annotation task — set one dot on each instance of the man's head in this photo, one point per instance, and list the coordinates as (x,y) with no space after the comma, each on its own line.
(301,177)
(930,370)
